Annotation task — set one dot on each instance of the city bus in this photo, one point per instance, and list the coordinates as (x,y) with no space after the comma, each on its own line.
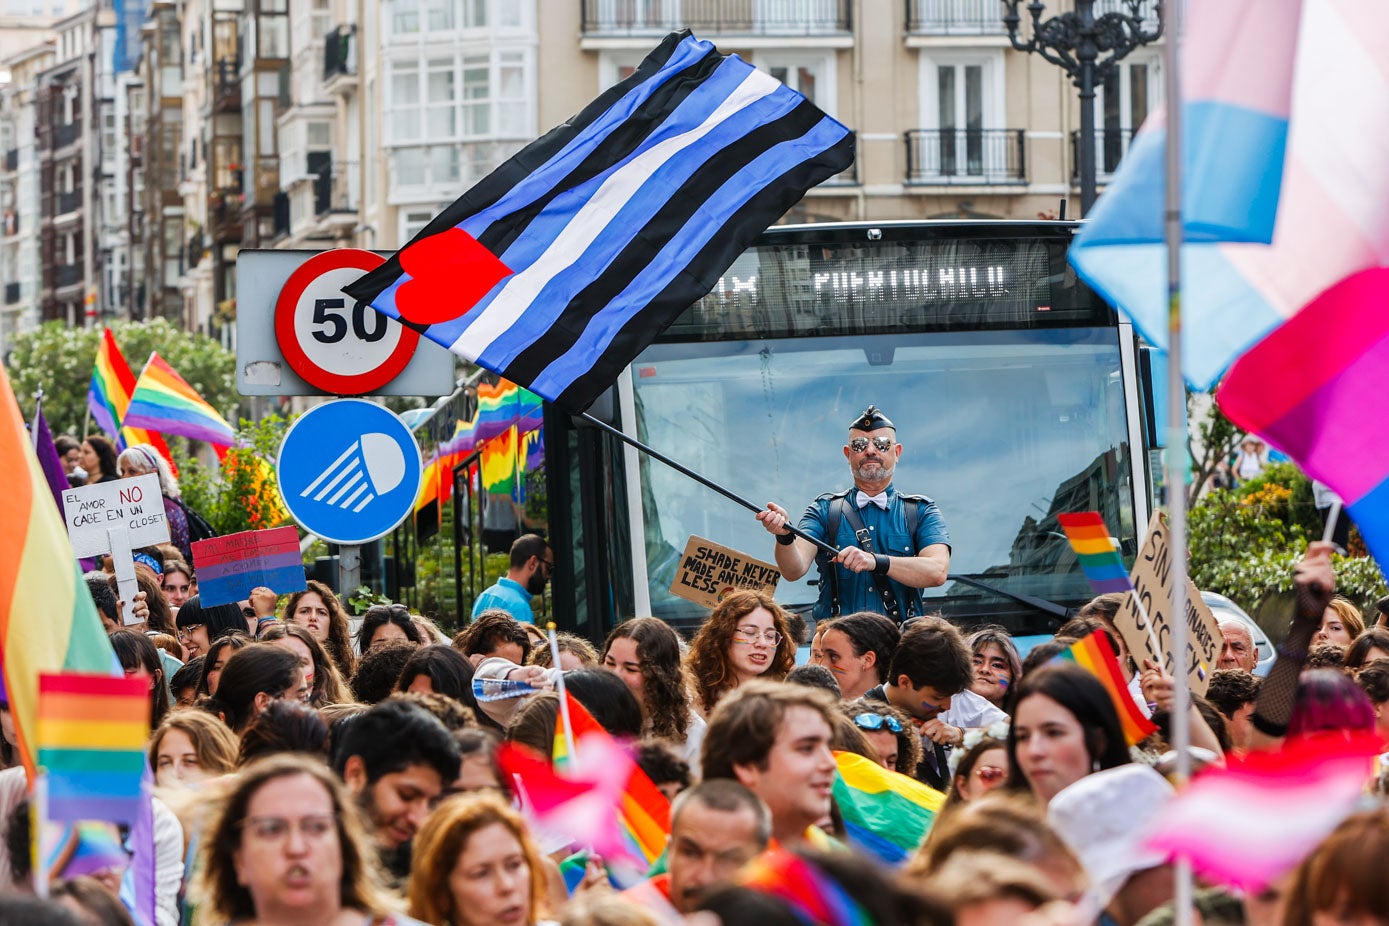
(1017,394)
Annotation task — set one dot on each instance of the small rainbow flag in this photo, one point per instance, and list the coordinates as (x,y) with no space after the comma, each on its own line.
(91,734)
(643,810)
(885,812)
(108,397)
(164,401)
(1097,552)
(48,622)
(1095,654)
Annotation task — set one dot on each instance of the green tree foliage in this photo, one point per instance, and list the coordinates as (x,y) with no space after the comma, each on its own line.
(240,494)
(61,360)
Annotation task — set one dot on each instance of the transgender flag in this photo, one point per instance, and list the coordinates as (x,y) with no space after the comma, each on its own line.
(1238,60)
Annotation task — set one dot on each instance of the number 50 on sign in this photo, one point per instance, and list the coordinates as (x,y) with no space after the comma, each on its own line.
(334,344)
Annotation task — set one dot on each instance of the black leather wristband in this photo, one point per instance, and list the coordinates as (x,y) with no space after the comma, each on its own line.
(884,564)
(786,539)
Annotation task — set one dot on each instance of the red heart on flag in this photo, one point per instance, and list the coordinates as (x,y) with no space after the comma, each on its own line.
(449,272)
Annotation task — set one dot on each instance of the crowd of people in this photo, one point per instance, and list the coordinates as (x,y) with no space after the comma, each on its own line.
(308,775)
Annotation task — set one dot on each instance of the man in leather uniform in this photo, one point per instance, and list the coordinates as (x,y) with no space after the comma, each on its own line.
(891,545)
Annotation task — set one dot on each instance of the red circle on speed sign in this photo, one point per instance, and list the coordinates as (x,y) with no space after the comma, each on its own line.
(341,347)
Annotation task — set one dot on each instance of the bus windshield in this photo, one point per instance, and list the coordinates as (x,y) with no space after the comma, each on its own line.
(1002,428)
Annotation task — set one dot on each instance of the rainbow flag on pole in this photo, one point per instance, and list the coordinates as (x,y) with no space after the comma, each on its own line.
(164,401)
(1097,552)
(1095,654)
(885,812)
(108,397)
(91,738)
(48,622)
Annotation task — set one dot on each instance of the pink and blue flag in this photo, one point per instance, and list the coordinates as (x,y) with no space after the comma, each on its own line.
(1238,85)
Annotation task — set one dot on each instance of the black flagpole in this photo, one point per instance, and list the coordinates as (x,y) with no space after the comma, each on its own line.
(702,480)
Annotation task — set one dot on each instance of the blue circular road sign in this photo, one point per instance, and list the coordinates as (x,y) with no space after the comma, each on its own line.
(349,471)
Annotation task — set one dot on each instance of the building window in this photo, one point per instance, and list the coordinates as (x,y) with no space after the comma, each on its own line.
(962,107)
(810,74)
(461,97)
(1123,101)
(413,221)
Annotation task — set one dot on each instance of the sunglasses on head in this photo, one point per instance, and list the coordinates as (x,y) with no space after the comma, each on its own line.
(877,722)
(860,444)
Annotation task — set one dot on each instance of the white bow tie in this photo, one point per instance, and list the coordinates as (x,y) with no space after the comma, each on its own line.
(880,499)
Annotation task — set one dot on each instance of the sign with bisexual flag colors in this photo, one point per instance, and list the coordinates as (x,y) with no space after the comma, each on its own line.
(1151,601)
(229,567)
(1097,552)
(561,265)
(90,738)
(349,471)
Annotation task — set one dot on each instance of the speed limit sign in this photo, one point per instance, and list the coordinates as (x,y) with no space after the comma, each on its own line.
(334,343)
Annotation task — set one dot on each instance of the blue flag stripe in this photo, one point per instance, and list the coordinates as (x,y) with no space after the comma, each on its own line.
(714,216)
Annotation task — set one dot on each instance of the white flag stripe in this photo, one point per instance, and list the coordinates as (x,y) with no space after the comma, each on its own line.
(521,290)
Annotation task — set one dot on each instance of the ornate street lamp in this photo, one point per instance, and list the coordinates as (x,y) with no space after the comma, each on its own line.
(1075,42)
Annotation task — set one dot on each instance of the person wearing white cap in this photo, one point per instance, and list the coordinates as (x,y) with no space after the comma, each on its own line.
(1105,818)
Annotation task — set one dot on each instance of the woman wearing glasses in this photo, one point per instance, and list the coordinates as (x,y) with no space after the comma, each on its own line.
(746,637)
(288,846)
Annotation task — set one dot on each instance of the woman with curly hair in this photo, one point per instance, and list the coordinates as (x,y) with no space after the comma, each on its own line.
(320,612)
(645,653)
(326,684)
(746,637)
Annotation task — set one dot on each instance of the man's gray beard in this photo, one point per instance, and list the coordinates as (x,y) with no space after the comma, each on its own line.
(880,472)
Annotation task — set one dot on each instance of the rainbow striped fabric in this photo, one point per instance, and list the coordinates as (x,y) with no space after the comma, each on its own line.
(91,737)
(811,893)
(47,620)
(885,813)
(164,401)
(1095,654)
(1097,552)
(643,810)
(108,397)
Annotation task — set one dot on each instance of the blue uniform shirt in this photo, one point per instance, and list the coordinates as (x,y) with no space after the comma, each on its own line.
(509,595)
(857,591)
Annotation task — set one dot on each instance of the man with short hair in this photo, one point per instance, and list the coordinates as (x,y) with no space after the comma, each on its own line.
(716,827)
(928,679)
(774,739)
(891,546)
(532,563)
(396,759)
(1233,693)
(1238,651)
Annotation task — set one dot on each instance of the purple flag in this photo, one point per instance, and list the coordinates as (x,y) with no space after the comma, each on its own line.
(49,459)
(138,886)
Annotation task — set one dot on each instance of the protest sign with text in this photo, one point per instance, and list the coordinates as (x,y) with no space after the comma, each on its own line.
(1152,600)
(709,573)
(116,517)
(229,567)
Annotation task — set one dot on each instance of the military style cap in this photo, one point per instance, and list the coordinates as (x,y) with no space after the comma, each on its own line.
(870,420)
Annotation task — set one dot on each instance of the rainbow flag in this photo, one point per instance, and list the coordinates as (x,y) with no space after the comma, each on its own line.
(813,895)
(500,463)
(91,732)
(47,620)
(1097,552)
(1095,654)
(885,813)
(164,401)
(108,397)
(84,848)
(642,810)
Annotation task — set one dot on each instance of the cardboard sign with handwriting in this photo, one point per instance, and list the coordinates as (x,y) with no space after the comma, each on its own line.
(709,573)
(1152,582)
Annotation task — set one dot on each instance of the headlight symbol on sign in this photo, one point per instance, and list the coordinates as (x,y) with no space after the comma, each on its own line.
(371,466)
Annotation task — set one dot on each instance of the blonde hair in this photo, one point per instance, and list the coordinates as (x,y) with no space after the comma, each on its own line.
(218,888)
(443,839)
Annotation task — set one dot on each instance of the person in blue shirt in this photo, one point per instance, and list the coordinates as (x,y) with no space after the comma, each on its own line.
(532,562)
(890,545)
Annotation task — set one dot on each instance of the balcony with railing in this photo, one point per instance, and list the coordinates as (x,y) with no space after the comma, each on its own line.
(69,202)
(955,17)
(1110,147)
(335,193)
(340,58)
(965,157)
(12,293)
(1147,9)
(66,134)
(645,18)
(67,275)
(226,85)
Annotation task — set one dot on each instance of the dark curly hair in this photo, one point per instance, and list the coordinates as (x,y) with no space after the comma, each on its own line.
(339,641)
(708,662)
(664,694)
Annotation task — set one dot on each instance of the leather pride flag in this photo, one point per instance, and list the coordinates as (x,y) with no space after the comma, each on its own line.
(560,266)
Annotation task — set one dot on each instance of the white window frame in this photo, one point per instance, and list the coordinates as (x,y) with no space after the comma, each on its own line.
(824,63)
(992,90)
(1152,59)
